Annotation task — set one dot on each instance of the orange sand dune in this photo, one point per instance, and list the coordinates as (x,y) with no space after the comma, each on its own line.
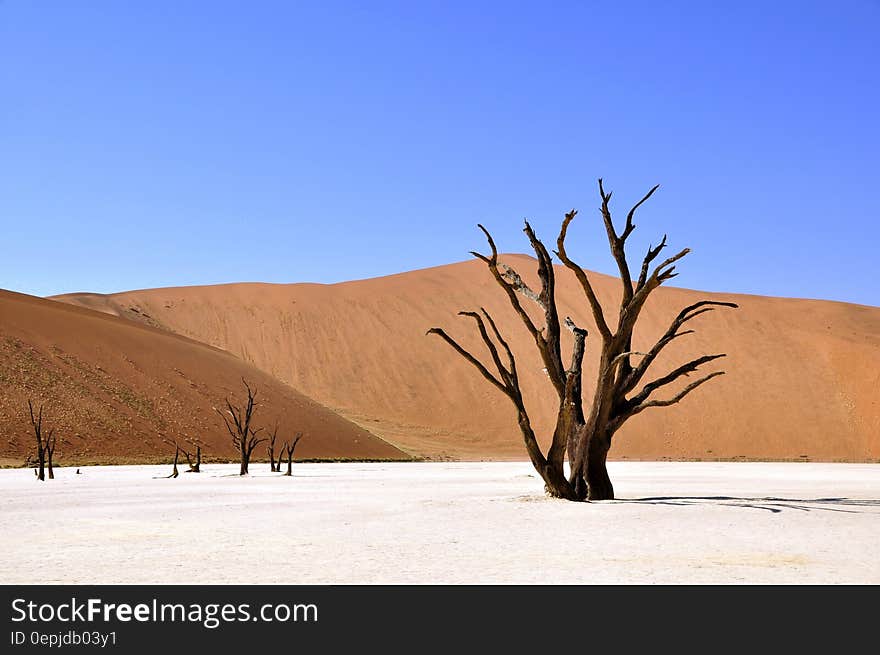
(802,383)
(114,390)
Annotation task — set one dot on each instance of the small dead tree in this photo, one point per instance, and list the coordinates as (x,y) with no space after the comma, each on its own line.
(288,449)
(49,449)
(174,472)
(244,437)
(42,442)
(194,466)
(585,439)
(276,467)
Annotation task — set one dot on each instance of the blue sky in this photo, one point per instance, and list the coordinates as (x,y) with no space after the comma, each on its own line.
(147,144)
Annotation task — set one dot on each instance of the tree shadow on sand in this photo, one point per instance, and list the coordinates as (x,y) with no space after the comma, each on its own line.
(770,504)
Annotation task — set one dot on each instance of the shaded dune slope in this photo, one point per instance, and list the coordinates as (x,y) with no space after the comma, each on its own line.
(802,375)
(114,389)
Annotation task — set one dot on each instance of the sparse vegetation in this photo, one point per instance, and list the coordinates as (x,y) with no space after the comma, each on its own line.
(289,448)
(45,444)
(270,447)
(244,437)
(194,466)
(174,471)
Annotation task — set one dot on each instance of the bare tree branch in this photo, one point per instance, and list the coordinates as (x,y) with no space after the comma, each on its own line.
(481,327)
(514,378)
(510,386)
(595,306)
(552,346)
(661,273)
(492,263)
(515,280)
(617,244)
(685,315)
(683,370)
(470,358)
(681,394)
(548,345)
(629,217)
(649,257)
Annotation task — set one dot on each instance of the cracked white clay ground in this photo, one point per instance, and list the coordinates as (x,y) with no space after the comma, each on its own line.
(462,522)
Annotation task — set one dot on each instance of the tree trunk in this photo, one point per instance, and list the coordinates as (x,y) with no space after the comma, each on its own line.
(175,472)
(557,485)
(41,456)
(551,472)
(244,464)
(289,464)
(194,467)
(599,485)
(49,466)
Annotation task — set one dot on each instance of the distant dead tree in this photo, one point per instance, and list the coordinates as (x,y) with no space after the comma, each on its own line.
(45,445)
(49,449)
(244,437)
(288,449)
(585,440)
(174,472)
(276,467)
(194,466)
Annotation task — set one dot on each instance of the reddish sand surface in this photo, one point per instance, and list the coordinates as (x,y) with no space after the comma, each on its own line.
(802,375)
(114,390)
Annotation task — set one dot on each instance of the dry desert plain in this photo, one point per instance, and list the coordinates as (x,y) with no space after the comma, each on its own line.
(443,522)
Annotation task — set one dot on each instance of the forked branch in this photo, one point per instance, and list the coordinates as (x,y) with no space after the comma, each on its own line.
(595,306)
(681,394)
(685,315)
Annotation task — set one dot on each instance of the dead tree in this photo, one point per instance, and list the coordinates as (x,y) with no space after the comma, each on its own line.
(585,439)
(194,467)
(244,437)
(49,449)
(174,472)
(42,442)
(288,449)
(276,467)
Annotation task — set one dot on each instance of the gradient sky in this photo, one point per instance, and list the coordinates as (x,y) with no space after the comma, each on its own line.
(154,143)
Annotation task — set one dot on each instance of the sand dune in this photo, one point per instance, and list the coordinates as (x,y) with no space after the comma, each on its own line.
(115,389)
(802,383)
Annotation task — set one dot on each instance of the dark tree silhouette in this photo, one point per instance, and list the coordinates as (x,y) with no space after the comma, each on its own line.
(174,472)
(49,449)
(585,439)
(288,449)
(45,445)
(194,466)
(244,437)
(275,466)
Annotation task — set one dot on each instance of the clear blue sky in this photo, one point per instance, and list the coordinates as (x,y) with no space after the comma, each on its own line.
(158,143)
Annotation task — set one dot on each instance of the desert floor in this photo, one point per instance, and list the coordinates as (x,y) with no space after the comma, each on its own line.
(442,523)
